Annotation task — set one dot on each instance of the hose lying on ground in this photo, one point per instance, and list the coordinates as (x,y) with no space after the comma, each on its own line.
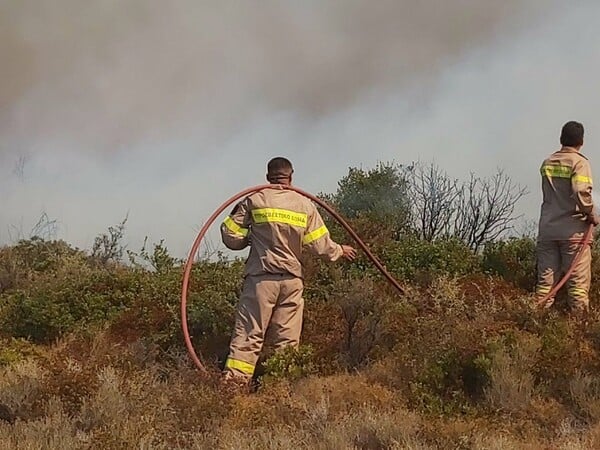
(587,239)
(190,261)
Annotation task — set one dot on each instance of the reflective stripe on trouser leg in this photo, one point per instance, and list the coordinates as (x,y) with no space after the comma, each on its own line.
(548,267)
(579,282)
(286,323)
(253,313)
(235,365)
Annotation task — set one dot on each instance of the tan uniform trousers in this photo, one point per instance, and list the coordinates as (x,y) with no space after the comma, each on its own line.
(554,259)
(272,302)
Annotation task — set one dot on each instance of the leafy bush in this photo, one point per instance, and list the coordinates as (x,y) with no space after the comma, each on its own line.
(290,363)
(513,259)
(25,262)
(55,306)
(413,259)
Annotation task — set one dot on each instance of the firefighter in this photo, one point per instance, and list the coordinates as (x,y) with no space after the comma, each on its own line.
(567,210)
(278,225)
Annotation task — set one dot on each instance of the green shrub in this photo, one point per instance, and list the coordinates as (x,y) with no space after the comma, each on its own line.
(290,363)
(15,350)
(411,258)
(439,388)
(56,306)
(23,263)
(513,259)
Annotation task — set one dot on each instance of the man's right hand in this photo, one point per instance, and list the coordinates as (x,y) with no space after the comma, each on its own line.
(348,252)
(593,219)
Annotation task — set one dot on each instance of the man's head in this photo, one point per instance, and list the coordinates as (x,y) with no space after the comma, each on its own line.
(572,135)
(279,171)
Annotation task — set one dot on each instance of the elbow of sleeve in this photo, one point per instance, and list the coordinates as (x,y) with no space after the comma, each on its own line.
(586,203)
(235,244)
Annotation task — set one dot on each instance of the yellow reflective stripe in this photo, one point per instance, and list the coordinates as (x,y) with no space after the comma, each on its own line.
(556,171)
(582,179)
(315,234)
(264,215)
(242,366)
(543,289)
(234,227)
(577,292)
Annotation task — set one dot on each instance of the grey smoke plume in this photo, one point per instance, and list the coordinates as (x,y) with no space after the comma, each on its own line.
(148,106)
(107,74)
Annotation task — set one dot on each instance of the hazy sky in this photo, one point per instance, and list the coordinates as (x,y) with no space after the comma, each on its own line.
(163,109)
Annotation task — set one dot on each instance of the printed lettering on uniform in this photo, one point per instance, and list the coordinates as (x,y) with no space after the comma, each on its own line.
(277,215)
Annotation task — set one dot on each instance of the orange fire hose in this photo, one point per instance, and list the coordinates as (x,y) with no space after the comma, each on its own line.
(587,239)
(190,261)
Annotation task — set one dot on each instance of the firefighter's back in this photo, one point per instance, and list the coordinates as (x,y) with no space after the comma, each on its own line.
(279,218)
(561,218)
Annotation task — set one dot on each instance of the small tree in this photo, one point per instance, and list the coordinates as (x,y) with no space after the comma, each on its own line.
(107,246)
(159,259)
(485,208)
(433,196)
(379,194)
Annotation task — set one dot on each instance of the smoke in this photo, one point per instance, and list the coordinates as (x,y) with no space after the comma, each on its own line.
(107,75)
(147,106)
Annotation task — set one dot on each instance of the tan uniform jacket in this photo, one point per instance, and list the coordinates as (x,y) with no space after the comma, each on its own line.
(567,191)
(278,225)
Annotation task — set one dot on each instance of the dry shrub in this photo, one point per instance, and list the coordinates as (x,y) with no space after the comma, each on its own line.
(585,394)
(54,430)
(344,394)
(495,441)
(592,437)
(446,293)
(366,428)
(574,436)
(512,383)
(373,429)
(21,386)
(312,402)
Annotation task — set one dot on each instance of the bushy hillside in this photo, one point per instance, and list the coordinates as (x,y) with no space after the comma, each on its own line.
(91,353)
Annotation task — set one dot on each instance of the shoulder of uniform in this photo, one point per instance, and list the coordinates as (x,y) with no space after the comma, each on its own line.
(307,202)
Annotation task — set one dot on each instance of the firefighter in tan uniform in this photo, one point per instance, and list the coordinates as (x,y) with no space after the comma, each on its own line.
(278,225)
(567,210)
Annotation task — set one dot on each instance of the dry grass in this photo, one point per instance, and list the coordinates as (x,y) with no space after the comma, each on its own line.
(146,406)
(585,392)
(512,384)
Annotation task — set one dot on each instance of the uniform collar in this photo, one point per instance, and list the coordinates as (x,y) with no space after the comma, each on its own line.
(569,149)
(572,150)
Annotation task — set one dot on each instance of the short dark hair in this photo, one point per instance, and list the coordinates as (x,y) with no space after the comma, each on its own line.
(279,167)
(572,134)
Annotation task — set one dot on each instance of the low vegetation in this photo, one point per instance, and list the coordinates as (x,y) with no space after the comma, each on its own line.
(91,352)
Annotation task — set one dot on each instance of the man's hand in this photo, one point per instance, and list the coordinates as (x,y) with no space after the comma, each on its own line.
(593,219)
(348,252)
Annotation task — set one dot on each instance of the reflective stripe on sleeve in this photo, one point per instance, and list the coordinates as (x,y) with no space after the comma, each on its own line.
(235,228)
(582,179)
(314,235)
(269,215)
(556,171)
(242,366)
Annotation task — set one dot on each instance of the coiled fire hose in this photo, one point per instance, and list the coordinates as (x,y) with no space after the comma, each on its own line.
(587,239)
(190,261)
